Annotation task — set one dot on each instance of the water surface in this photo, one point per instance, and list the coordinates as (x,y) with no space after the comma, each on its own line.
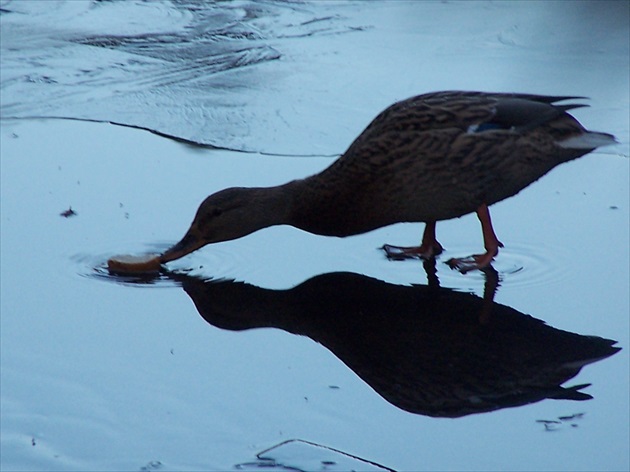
(239,355)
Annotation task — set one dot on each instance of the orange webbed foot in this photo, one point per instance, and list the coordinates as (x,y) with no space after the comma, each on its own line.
(429,248)
(474,262)
(424,251)
(491,243)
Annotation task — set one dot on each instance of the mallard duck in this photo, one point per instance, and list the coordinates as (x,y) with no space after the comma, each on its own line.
(429,158)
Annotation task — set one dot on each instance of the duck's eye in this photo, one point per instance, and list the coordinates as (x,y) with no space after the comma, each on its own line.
(217,211)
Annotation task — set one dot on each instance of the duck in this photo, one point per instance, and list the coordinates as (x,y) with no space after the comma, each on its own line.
(429,158)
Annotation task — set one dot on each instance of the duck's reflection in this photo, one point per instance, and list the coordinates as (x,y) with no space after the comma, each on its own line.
(425,349)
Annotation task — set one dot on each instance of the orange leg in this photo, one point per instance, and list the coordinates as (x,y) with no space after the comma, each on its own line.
(429,248)
(490,242)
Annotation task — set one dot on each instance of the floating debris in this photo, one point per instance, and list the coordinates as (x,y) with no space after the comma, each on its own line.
(153,465)
(575,416)
(68,213)
(553,425)
(302,455)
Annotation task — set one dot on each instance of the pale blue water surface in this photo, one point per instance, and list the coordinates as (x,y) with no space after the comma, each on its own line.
(320,356)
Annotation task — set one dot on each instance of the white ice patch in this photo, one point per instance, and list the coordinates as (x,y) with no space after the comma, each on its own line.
(588,140)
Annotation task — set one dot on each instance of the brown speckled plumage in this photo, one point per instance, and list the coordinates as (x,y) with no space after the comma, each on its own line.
(428,158)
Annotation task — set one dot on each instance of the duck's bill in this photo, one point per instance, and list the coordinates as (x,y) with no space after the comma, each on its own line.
(189,243)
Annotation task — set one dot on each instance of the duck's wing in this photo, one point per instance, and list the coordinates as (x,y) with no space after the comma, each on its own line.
(522,114)
(478,112)
(469,111)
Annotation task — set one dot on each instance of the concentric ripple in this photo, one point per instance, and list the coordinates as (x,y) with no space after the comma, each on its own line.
(220,262)
(519,264)
(94,266)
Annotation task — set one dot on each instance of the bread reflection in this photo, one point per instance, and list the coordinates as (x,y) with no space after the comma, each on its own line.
(425,349)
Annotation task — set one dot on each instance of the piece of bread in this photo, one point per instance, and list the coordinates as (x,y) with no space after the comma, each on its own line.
(125,264)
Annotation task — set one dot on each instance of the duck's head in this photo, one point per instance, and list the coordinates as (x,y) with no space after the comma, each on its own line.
(229,214)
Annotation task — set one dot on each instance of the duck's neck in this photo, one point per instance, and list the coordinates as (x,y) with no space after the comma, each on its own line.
(270,206)
(318,206)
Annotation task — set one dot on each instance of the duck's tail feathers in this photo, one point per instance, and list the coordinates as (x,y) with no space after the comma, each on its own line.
(547,98)
(571,106)
(588,140)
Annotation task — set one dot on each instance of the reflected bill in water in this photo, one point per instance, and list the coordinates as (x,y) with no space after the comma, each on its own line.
(425,349)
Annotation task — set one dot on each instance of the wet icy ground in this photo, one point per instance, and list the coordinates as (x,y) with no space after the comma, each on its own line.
(102,374)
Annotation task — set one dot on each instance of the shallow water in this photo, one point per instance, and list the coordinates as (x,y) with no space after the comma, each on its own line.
(103,372)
